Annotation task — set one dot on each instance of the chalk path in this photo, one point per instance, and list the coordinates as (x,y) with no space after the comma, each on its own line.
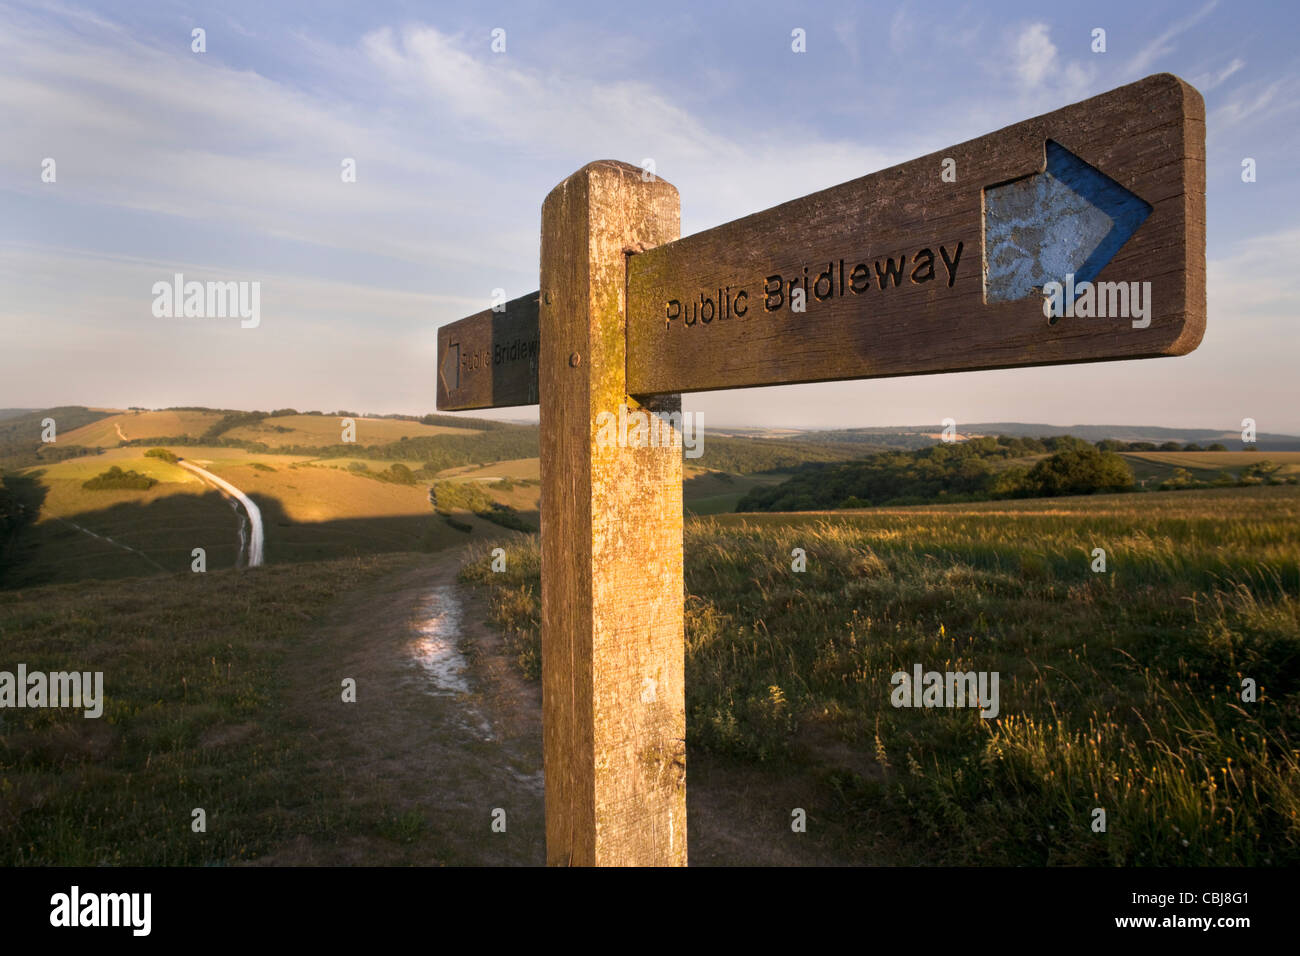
(256,538)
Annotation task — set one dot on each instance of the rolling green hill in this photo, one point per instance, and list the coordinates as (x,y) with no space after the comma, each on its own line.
(325,498)
(21,442)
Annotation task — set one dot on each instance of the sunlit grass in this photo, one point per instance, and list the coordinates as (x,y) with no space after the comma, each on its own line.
(1119,690)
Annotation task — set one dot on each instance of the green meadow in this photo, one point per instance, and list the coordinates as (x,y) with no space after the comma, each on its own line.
(200,710)
(1120,690)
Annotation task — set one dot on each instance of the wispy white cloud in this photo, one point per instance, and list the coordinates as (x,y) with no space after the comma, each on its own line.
(1035,54)
(1041,74)
(563,114)
(901,28)
(1257,102)
(1163,43)
(1208,81)
(452,154)
(1234,287)
(170,132)
(312,328)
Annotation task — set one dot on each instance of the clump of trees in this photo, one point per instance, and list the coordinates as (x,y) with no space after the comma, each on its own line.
(162,453)
(970,471)
(747,456)
(396,473)
(1082,470)
(115,479)
(227,422)
(1114,444)
(447,496)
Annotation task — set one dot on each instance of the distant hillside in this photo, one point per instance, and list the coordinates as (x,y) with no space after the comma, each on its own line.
(973,470)
(20,435)
(748,456)
(990,467)
(919,436)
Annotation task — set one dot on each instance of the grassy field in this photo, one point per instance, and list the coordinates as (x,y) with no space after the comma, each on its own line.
(320,430)
(317,509)
(1155,466)
(129,534)
(79,469)
(706,492)
(1118,690)
(198,714)
(373,464)
(118,533)
(530,468)
(135,425)
(1206,465)
(312,511)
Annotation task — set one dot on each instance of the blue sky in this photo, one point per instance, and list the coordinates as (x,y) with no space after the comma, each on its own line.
(225,165)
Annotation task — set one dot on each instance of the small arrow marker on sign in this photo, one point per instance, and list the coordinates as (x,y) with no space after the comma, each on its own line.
(1068,220)
(449,371)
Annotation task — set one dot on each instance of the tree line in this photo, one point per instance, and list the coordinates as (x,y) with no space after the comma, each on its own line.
(970,471)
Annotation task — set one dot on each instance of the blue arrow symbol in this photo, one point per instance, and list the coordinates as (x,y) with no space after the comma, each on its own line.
(1070,219)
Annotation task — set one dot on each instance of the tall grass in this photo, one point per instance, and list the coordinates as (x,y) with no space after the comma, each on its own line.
(1120,691)
(196,714)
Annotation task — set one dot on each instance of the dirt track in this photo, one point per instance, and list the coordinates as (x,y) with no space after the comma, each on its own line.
(453,757)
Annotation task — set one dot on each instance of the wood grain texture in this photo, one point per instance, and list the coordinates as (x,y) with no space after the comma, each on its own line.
(613,705)
(490,359)
(1148,136)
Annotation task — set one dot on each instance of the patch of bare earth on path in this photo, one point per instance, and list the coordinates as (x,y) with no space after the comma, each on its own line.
(445,730)
(418,759)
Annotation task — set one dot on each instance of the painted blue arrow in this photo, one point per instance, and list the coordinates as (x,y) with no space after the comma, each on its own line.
(1072,218)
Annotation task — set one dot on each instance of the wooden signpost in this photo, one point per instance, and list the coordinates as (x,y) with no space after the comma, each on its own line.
(1077,236)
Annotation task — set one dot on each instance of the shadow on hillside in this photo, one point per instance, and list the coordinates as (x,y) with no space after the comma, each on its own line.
(708,483)
(134,539)
(21,499)
(290,541)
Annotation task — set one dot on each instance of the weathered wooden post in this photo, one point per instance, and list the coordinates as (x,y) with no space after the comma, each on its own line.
(612,595)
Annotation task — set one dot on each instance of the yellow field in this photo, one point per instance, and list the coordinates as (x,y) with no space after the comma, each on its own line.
(515,468)
(1207,464)
(345,464)
(300,494)
(66,498)
(135,425)
(328,430)
(134,458)
(129,459)
(309,511)
(204,455)
(307,494)
(122,533)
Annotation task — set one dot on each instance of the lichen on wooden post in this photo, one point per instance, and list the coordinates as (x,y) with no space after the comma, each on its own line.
(613,702)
